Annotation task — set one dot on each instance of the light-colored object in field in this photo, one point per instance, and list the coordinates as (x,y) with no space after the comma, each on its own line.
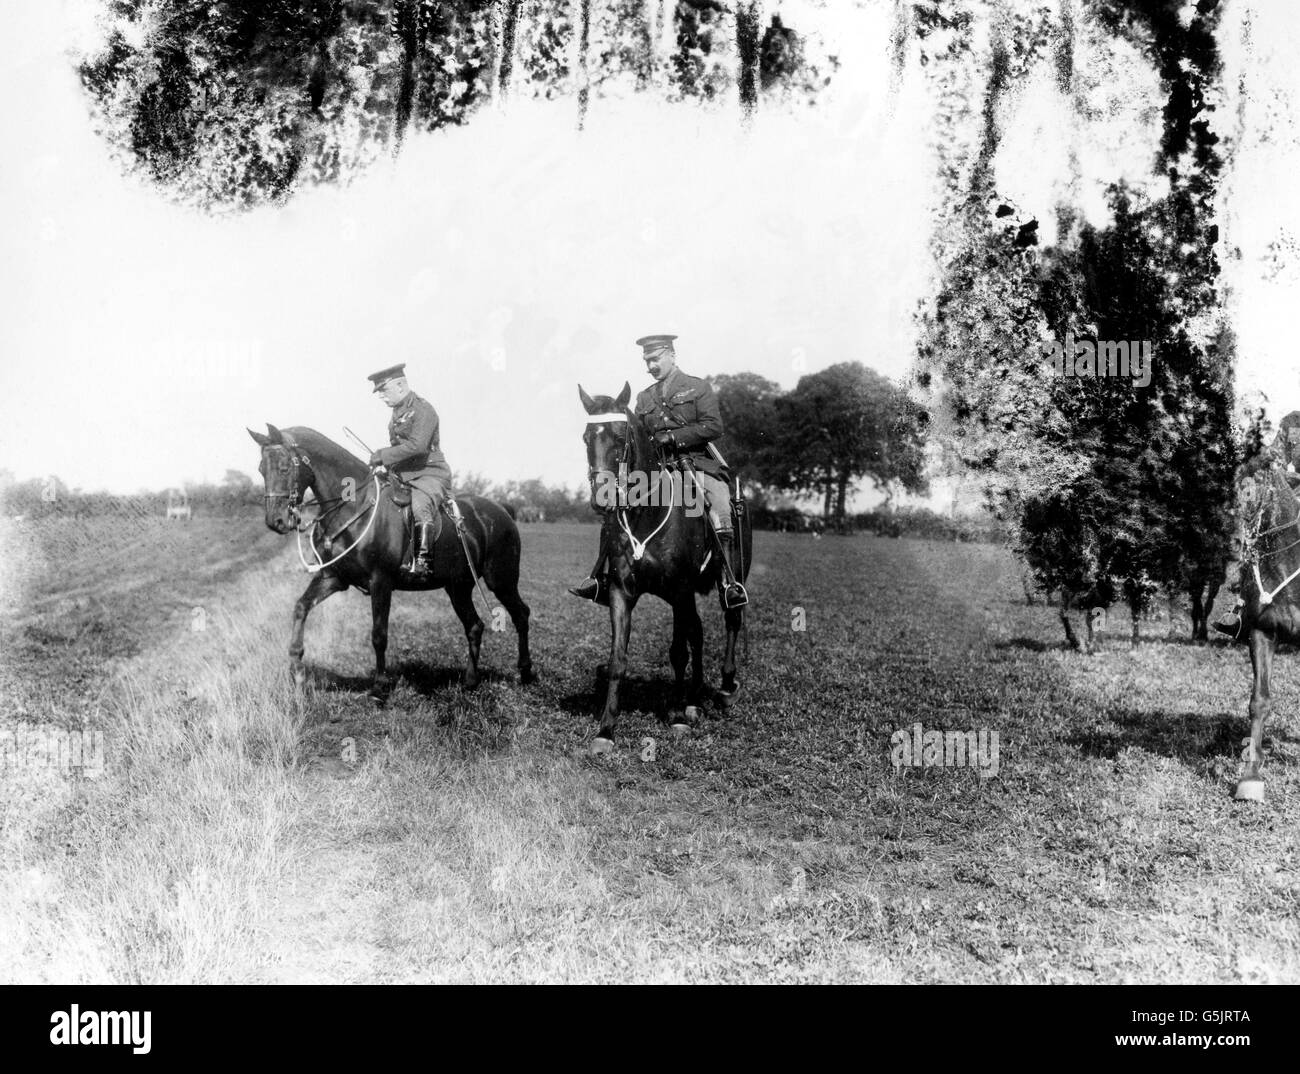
(1249,790)
(178,505)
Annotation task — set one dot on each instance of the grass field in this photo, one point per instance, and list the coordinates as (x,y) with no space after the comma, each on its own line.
(241,833)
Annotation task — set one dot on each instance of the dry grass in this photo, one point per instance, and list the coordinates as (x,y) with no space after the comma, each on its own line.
(243,833)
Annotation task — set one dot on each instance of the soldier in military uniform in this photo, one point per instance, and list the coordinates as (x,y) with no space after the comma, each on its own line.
(681,413)
(414,456)
(1286,449)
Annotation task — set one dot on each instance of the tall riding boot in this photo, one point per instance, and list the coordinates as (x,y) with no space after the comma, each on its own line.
(423,565)
(732,592)
(594,586)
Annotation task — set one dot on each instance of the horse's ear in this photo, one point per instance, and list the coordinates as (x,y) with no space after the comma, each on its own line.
(587,400)
(277,437)
(623,396)
(262,441)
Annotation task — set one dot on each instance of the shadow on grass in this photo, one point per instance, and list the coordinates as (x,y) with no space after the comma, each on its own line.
(1188,737)
(637,693)
(423,679)
(1033,645)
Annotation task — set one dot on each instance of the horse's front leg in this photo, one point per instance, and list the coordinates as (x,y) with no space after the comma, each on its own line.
(688,638)
(381,599)
(1251,786)
(321,586)
(735,619)
(620,620)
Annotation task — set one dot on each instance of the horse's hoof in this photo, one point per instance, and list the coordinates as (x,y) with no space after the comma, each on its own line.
(527,677)
(299,677)
(471,683)
(679,729)
(601,745)
(1249,790)
(724,698)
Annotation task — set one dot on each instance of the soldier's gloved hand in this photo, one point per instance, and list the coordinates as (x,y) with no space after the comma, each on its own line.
(375,459)
(664,438)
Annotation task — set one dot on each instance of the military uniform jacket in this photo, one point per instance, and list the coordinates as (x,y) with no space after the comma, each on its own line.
(688,408)
(413,434)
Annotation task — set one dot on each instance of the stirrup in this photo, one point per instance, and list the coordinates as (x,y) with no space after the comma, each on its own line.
(1230,624)
(592,589)
(734,596)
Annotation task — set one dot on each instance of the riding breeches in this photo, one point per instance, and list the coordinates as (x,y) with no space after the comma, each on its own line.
(427,493)
(718,495)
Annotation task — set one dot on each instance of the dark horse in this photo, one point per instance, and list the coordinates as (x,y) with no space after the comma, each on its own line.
(360,536)
(659,547)
(1270,588)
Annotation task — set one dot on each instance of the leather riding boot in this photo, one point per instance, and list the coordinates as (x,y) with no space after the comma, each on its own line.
(594,587)
(423,565)
(733,593)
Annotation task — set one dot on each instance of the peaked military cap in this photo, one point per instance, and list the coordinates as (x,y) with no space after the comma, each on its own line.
(387,374)
(650,343)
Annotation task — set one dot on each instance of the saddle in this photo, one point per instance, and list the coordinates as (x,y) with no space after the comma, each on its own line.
(400,494)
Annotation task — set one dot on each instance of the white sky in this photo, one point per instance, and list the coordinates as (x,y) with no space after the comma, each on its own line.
(505,262)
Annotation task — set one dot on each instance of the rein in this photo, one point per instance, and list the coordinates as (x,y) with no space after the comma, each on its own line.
(296,458)
(312,568)
(638,546)
(1266,597)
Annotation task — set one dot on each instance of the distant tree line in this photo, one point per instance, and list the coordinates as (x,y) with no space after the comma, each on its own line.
(50,497)
(834,429)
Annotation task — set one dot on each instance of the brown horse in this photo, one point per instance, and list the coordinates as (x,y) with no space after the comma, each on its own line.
(663,546)
(1270,587)
(360,537)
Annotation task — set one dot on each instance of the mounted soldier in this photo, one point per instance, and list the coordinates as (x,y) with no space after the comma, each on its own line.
(1285,449)
(414,456)
(681,413)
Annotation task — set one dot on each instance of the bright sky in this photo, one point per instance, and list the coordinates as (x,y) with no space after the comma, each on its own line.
(505,262)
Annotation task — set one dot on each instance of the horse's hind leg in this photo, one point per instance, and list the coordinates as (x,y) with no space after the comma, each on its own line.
(518,611)
(1251,785)
(320,587)
(462,600)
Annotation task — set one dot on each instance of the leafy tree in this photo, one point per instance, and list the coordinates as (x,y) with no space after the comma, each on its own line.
(235,103)
(844,423)
(747,403)
(1112,488)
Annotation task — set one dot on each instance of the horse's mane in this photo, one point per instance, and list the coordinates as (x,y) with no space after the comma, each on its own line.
(315,443)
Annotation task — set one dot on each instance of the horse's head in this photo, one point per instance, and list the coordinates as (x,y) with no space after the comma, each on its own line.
(286,473)
(609,426)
